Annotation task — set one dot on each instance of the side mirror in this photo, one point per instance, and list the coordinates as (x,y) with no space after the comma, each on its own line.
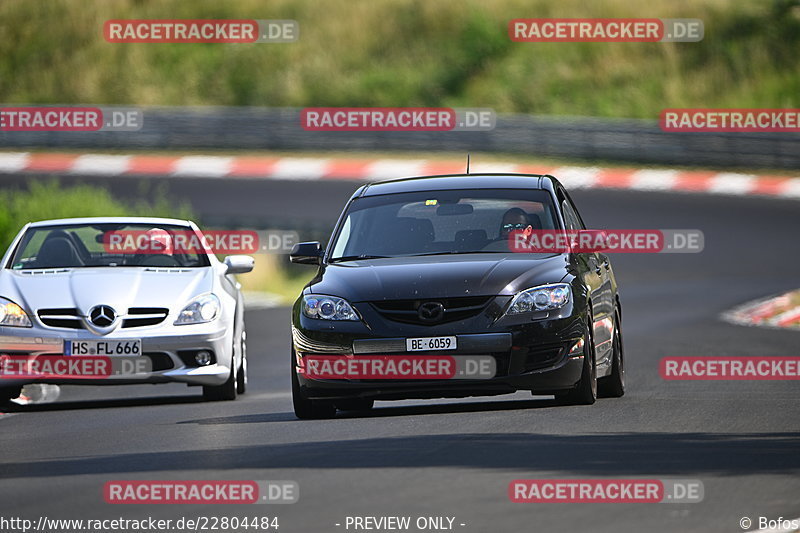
(306,253)
(239,264)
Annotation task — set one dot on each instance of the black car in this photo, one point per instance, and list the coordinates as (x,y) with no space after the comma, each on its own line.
(429,258)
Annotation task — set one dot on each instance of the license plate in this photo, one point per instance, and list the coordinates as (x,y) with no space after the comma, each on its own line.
(425,344)
(104,348)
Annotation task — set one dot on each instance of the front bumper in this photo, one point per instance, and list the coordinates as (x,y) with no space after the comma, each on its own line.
(531,353)
(169,352)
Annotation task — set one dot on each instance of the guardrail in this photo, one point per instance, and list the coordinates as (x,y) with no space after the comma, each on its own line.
(255,128)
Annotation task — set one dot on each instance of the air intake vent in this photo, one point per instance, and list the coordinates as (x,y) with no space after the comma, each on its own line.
(144,316)
(68,318)
(40,272)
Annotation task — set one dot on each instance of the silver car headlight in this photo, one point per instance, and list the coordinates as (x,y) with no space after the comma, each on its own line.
(13,315)
(202,309)
(541,298)
(327,308)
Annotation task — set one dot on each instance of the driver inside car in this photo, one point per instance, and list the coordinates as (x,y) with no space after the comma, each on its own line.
(155,248)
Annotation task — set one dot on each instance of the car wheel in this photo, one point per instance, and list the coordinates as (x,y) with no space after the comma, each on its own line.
(224,392)
(241,377)
(9,393)
(355,404)
(585,392)
(613,386)
(305,408)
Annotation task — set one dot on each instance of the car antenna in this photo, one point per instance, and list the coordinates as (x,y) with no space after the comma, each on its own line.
(467,163)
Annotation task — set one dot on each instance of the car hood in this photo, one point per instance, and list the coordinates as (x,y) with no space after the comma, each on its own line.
(119,287)
(437,276)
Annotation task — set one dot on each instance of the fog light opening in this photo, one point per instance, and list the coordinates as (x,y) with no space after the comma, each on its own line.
(203,358)
(577,349)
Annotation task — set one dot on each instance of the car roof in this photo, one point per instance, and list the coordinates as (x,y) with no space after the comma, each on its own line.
(459,181)
(110,220)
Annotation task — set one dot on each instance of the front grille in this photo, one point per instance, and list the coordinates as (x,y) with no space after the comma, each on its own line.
(407,311)
(70,318)
(542,357)
(61,318)
(144,316)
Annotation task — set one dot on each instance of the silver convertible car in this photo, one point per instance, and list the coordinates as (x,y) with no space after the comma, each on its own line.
(69,296)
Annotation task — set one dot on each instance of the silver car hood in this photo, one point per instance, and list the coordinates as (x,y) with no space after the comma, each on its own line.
(119,287)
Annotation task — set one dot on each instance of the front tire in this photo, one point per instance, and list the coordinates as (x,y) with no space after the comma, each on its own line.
(241,377)
(224,392)
(613,385)
(305,408)
(585,392)
(9,393)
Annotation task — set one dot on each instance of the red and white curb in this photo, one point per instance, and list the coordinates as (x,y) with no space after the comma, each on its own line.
(311,168)
(772,312)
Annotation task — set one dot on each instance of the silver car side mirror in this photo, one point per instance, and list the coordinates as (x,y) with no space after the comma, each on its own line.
(239,264)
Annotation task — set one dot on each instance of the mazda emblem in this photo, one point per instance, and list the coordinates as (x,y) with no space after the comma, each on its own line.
(102,316)
(431,312)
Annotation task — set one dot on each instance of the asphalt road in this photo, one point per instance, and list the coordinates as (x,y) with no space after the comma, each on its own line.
(456,457)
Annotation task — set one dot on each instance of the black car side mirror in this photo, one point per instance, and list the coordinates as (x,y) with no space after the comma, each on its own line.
(306,253)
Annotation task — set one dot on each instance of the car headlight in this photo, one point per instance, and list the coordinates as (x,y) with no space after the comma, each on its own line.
(202,309)
(541,298)
(13,315)
(327,308)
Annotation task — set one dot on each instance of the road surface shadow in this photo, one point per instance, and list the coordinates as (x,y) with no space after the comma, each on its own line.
(602,455)
(381,412)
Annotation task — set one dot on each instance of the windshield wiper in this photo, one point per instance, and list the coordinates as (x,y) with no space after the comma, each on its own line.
(454,252)
(357,257)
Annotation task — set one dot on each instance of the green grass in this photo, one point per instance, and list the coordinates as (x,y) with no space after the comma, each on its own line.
(405,53)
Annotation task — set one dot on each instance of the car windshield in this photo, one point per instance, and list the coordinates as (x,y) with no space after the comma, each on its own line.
(107,245)
(440,222)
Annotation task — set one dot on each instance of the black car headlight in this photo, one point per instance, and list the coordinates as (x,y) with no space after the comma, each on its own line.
(541,298)
(327,308)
